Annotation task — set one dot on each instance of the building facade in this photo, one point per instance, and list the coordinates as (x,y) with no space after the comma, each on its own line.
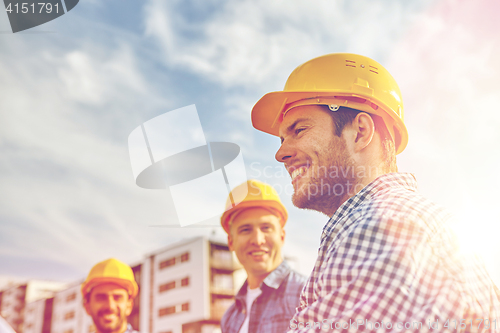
(23,306)
(191,282)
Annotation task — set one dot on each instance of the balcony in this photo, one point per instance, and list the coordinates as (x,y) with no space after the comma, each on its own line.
(217,311)
(225,264)
(221,290)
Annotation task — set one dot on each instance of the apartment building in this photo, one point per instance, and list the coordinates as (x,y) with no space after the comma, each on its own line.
(13,301)
(68,314)
(12,306)
(38,316)
(190,283)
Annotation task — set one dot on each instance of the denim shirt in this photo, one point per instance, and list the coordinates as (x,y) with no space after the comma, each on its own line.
(273,309)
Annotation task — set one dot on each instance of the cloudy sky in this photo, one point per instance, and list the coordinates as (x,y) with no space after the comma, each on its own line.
(73,89)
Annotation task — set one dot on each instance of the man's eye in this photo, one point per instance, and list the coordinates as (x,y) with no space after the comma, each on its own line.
(298,130)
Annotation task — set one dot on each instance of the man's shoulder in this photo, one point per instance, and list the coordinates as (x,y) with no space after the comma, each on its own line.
(228,317)
(396,207)
(403,203)
(292,286)
(296,278)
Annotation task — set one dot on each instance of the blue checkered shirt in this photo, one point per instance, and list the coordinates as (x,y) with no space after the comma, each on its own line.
(273,309)
(388,262)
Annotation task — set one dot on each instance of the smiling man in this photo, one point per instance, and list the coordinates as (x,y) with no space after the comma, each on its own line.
(388,259)
(267,300)
(108,295)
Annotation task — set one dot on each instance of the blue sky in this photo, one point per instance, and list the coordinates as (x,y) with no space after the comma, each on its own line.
(73,89)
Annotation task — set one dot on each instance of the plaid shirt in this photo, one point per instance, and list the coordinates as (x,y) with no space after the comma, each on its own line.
(388,262)
(273,309)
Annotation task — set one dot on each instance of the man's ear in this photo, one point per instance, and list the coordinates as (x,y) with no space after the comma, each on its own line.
(230,241)
(86,304)
(364,128)
(130,306)
(283,234)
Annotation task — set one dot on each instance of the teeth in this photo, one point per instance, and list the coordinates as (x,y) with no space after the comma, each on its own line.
(298,172)
(260,253)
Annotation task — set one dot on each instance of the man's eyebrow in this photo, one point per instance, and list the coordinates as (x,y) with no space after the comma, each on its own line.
(246,225)
(293,125)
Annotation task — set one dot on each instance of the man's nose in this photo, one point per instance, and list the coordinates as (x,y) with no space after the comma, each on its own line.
(284,153)
(258,237)
(110,303)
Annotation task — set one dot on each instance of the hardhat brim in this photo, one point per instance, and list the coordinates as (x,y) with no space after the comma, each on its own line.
(131,287)
(225,218)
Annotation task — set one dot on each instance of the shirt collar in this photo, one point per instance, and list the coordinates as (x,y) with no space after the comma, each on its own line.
(277,276)
(381,183)
(129,328)
(273,280)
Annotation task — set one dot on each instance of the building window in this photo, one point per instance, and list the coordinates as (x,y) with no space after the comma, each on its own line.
(167,286)
(175,260)
(69,315)
(185,282)
(167,263)
(166,311)
(71,297)
(185,307)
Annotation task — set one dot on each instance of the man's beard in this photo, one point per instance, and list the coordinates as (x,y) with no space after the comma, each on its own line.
(108,328)
(330,185)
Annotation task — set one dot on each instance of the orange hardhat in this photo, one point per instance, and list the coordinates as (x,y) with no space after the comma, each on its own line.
(257,195)
(111,271)
(337,80)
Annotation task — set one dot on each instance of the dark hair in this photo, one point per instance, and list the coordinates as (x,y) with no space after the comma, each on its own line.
(345,116)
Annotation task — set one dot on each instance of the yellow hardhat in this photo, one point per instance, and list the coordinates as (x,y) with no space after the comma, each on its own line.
(260,195)
(337,80)
(111,271)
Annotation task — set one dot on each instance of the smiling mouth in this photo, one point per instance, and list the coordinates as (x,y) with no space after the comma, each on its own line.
(257,253)
(298,172)
(108,316)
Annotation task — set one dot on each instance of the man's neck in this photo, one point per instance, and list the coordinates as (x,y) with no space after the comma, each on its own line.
(254,281)
(366,175)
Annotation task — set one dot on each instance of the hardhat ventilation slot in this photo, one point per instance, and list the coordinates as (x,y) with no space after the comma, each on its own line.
(350,63)
(373,69)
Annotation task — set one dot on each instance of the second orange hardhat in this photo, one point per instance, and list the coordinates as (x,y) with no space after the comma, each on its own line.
(258,195)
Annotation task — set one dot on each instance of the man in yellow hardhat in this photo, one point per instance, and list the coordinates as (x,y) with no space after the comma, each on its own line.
(388,259)
(254,221)
(108,296)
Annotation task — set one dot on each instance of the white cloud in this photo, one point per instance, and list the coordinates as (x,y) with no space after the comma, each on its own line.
(69,191)
(251,43)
